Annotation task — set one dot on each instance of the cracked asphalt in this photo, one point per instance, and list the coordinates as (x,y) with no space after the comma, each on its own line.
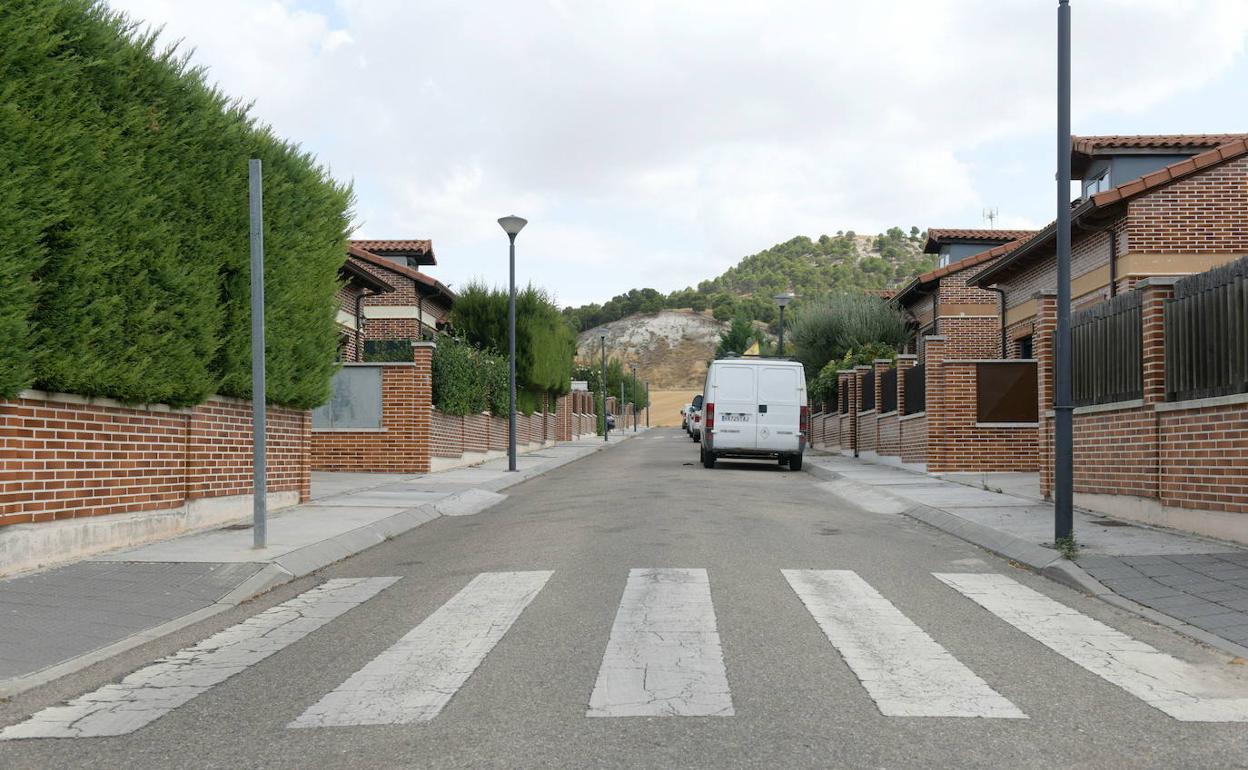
(647,504)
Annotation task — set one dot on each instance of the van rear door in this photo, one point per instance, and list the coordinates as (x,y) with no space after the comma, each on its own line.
(736,406)
(779,408)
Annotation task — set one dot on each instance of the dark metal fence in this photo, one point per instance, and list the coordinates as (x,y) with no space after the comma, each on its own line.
(868,391)
(1106,349)
(915,379)
(888,391)
(1005,391)
(1207,334)
(842,398)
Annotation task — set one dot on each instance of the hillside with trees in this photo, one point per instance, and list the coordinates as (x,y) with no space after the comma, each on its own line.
(846,261)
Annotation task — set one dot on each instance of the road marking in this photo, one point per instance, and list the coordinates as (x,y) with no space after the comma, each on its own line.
(1164,682)
(905,671)
(153,691)
(663,657)
(413,680)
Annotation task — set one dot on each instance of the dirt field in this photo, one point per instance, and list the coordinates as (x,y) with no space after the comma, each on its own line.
(665,406)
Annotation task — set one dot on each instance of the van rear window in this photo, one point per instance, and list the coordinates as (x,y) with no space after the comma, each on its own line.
(734,383)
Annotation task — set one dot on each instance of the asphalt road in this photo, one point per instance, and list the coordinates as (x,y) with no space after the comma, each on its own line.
(794,701)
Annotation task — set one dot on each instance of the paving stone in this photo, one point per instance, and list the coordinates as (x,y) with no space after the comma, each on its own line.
(1222,620)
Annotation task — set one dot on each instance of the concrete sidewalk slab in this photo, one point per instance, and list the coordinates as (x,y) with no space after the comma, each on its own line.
(1194,584)
(61,620)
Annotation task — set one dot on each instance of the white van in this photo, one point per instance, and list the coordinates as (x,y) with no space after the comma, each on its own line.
(755,407)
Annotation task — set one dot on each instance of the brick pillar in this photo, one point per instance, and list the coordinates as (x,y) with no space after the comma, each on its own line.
(935,352)
(422,406)
(563,418)
(1042,349)
(1155,292)
(305,458)
(904,361)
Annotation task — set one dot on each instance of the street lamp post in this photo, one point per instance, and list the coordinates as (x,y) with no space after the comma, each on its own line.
(633,385)
(647,392)
(781,301)
(603,387)
(512,225)
(1063,407)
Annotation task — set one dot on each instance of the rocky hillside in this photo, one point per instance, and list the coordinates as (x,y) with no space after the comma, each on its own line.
(670,347)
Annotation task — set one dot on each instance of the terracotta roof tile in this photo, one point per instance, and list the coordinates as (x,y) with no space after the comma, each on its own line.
(1090,145)
(415,275)
(422,249)
(937,234)
(965,263)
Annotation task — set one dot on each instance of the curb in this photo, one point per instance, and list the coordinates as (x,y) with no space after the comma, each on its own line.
(300,563)
(1035,558)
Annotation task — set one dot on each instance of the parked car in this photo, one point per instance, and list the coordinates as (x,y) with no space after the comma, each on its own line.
(684,417)
(755,409)
(695,418)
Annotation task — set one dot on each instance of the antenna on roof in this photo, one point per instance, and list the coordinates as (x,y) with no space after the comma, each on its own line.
(990,216)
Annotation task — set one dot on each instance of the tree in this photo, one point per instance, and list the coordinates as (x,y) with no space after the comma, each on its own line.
(825,330)
(738,337)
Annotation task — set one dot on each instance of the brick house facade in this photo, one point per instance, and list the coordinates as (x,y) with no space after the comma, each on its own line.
(358,283)
(418,307)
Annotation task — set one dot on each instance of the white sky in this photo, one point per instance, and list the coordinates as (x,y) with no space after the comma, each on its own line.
(656,143)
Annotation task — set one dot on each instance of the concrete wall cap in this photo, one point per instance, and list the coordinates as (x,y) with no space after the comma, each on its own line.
(424,344)
(908,357)
(935,337)
(883,361)
(1158,281)
(1203,403)
(74,398)
(862,368)
(1044,293)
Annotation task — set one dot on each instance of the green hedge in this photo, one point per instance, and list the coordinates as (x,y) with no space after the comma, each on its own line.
(545,342)
(467,380)
(123,218)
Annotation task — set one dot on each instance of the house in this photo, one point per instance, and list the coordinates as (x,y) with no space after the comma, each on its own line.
(418,307)
(357,284)
(940,301)
(1182,212)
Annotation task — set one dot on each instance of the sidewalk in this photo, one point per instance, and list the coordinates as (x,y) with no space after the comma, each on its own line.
(61,620)
(1192,584)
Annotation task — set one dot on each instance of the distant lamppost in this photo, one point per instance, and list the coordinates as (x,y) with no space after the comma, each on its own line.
(781,301)
(603,387)
(647,392)
(512,225)
(633,385)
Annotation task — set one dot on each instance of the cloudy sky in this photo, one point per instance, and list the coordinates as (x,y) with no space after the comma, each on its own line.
(655,143)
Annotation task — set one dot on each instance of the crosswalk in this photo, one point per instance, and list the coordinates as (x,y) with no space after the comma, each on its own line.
(663,658)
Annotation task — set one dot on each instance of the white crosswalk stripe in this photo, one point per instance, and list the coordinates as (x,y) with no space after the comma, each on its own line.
(150,693)
(1166,683)
(905,671)
(663,657)
(413,680)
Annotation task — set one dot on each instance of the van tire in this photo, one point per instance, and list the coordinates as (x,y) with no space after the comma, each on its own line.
(708,459)
(695,437)
(782,461)
(795,462)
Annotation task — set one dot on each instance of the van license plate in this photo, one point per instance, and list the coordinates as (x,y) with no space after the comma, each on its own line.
(730,417)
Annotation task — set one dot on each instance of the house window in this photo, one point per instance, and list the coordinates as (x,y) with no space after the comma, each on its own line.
(1096,185)
(1025,348)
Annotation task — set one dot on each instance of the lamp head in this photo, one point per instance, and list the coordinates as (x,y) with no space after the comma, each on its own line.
(512,225)
(783,299)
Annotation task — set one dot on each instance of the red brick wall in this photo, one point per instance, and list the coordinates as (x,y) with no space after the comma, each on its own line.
(1202,214)
(912,438)
(889,442)
(972,336)
(1203,458)
(65,457)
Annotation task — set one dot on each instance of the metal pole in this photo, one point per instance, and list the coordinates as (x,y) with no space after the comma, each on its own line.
(781,351)
(511,365)
(603,388)
(647,391)
(259,471)
(633,386)
(1063,440)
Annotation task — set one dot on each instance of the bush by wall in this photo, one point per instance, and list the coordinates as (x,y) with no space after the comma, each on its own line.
(828,329)
(467,380)
(545,343)
(123,214)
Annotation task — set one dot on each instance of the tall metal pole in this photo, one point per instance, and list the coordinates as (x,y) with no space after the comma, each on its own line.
(603,388)
(259,470)
(1063,439)
(781,351)
(633,386)
(647,391)
(511,364)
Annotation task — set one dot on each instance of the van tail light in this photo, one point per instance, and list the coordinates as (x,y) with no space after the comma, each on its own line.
(709,411)
(805,420)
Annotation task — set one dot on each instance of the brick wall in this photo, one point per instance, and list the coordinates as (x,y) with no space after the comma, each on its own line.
(64,457)
(912,437)
(889,430)
(1203,458)
(404,443)
(1202,214)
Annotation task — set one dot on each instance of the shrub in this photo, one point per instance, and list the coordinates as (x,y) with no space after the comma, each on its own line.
(123,213)
(467,380)
(826,330)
